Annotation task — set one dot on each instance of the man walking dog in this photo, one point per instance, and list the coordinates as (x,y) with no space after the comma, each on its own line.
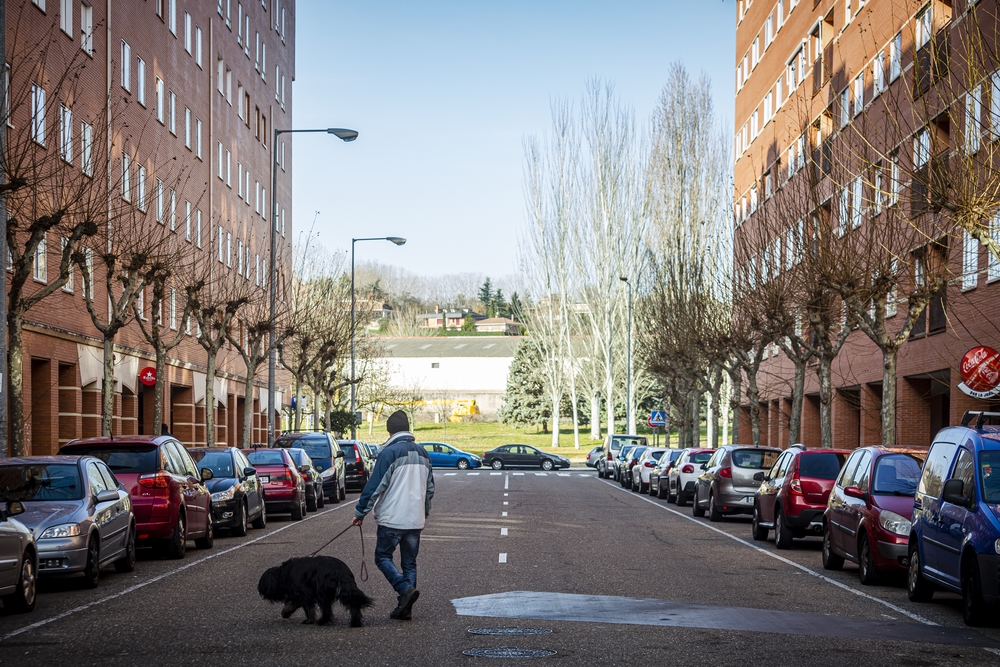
(400,491)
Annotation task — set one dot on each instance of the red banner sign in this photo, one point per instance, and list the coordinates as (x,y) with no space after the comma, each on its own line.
(147,376)
(980,371)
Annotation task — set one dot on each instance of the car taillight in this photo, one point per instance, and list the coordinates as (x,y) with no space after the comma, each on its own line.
(649,464)
(726,472)
(795,485)
(609,456)
(688,468)
(160,480)
(284,476)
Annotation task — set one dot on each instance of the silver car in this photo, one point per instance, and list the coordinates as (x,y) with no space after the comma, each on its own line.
(79,514)
(18,561)
(727,486)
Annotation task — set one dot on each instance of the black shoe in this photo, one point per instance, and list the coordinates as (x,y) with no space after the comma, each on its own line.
(406,600)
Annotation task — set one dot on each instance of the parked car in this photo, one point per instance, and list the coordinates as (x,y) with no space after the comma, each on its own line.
(446,456)
(627,463)
(169,498)
(684,474)
(644,466)
(609,450)
(793,494)
(79,513)
(727,486)
(373,450)
(18,553)
(313,482)
(284,486)
(955,538)
(358,463)
(592,457)
(237,493)
(523,456)
(327,459)
(659,475)
(867,519)
(615,465)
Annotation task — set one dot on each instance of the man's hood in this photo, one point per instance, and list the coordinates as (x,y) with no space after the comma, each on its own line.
(401,435)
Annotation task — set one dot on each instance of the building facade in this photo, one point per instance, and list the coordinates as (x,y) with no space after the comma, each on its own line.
(185,94)
(904,79)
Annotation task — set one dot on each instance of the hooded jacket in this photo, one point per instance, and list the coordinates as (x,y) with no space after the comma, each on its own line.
(401,485)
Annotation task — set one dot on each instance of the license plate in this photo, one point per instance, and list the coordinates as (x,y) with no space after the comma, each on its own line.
(264,479)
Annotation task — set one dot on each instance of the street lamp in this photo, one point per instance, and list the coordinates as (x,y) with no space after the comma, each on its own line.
(345,135)
(630,416)
(392,239)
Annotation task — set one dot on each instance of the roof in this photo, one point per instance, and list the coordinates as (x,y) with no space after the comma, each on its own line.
(454,314)
(502,347)
(121,440)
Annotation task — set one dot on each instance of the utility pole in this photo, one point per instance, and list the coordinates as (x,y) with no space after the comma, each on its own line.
(5,105)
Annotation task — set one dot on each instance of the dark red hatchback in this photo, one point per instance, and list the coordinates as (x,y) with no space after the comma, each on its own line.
(169,499)
(284,486)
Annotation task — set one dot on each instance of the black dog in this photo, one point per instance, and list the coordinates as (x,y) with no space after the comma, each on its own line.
(310,581)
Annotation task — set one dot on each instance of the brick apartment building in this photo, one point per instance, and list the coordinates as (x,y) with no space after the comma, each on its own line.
(807,70)
(191,87)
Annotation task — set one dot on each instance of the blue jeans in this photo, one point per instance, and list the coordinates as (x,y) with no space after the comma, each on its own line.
(385,547)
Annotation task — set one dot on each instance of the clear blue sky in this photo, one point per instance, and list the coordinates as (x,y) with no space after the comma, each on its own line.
(443,93)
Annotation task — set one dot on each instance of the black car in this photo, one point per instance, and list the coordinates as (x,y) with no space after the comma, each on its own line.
(327,459)
(523,456)
(358,463)
(237,494)
(625,465)
(314,483)
(614,469)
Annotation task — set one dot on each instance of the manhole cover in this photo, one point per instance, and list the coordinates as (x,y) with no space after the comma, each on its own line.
(509,652)
(510,632)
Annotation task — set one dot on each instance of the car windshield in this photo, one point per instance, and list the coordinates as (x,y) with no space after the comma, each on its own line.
(625,451)
(296,456)
(989,475)
(638,452)
(263,457)
(349,452)
(220,463)
(755,459)
(898,474)
(656,455)
(675,454)
(316,446)
(617,443)
(700,457)
(821,465)
(40,482)
(138,459)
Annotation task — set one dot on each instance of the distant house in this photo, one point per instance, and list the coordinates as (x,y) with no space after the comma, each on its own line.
(503,325)
(449,318)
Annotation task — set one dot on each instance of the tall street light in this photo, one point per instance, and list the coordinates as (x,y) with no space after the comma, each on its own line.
(341,133)
(630,415)
(393,239)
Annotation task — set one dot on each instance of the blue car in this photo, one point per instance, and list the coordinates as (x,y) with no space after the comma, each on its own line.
(955,535)
(446,456)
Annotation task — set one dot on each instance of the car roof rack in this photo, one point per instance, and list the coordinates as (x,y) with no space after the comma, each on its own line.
(980,416)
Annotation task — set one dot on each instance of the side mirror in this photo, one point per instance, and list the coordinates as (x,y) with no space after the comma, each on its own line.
(855,492)
(304,468)
(954,493)
(704,466)
(340,454)
(14,508)
(107,496)
(206,474)
(759,477)
(249,472)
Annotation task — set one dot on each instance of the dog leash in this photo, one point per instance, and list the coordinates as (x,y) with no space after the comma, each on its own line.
(364,566)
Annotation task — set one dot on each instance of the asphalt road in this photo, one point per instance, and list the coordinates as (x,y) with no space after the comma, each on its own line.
(616,577)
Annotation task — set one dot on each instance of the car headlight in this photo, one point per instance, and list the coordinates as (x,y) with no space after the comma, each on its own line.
(996,546)
(228,494)
(894,523)
(327,473)
(65,530)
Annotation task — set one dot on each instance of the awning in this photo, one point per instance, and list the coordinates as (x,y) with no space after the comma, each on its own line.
(262,398)
(91,363)
(199,387)
(221,389)
(126,372)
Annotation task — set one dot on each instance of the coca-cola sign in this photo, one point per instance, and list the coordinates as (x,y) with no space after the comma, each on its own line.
(980,371)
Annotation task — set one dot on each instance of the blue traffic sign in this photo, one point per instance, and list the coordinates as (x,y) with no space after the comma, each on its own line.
(657,418)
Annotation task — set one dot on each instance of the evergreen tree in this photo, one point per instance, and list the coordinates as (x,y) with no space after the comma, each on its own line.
(486,294)
(499,305)
(515,307)
(525,402)
(469,325)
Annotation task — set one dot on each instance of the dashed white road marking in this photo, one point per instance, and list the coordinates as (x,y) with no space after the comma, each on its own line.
(503,514)
(583,474)
(541,474)
(505,502)
(506,482)
(503,557)
(505,495)
(495,473)
(563,474)
(519,474)
(449,474)
(473,473)
(503,532)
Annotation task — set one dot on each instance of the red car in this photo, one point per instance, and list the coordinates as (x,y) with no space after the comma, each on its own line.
(284,486)
(793,494)
(169,499)
(869,513)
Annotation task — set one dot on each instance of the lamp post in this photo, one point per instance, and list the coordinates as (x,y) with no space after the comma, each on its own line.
(393,239)
(629,415)
(345,135)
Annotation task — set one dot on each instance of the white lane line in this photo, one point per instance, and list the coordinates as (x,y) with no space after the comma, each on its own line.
(505,495)
(915,617)
(563,474)
(472,473)
(495,473)
(541,474)
(506,483)
(505,502)
(519,474)
(501,514)
(582,474)
(503,557)
(503,532)
(449,474)
(130,589)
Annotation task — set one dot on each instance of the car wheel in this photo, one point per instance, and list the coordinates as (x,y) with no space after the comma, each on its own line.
(975,612)
(311,504)
(497,464)
(758,531)
(343,491)
(92,570)
(600,473)
(261,521)
(671,497)
(918,589)
(645,488)
(127,562)
(713,512)
(546,465)
(297,512)
(866,562)
(320,500)
(462,464)
(208,540)
(679,498)
(782,533)
(22,600)
(240,529)
(177,544)
(696,508)
(660,491)
(831,561)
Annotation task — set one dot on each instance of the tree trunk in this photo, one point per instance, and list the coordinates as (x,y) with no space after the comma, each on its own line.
(108,395)
(555,421)
(725,413)
(736,400)
(298,404)
(889,358)
(595,416)
(753,395)
(696,419)
(713,419)
(575,411)
(210,401)
(666,425)
(824,374)
(315,419)
(161,364)
(798,389)
(15,349)
(247,411)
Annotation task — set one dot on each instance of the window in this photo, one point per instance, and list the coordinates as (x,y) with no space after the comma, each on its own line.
(187,128)
(140,303)
(187,220)
(240,106)
(755,53)
(281,155)
(38,114)
(66,16)
(220,69)
(256,263)
(753,198)
(282,223)
(769,30)
(878,196)
(896,57)
(219,161)
(173,210)
(845,107)
(857,203)
(935,468)
(161,113)
(921,148)
(39,3)
(970,261)
(239,257)
(878,74)
(277,79)
(239,23)
(859,93)
(173,309)
(848,14)
(256,196)
(39,272)
(923,27)
(197,228)
(229,249)
(229,86)
(88,263)
(126,177)
(87,28)
(172,110)
(140,187)
(894,183)
(68,287)
(187,33)
(263,61)
(222,241)
(172,16)
(246,33)
(87,149)
(197,46)
(256,58)
(263,202)
(754,125)
(228,168)
(995,105)
(791,160)
(973,112)
(159,200)
(126,66)
(140,83)
(992,263)
(282,91)
(778,92)
(66,134)
(197,138)
(768,107)
(843,211)
(246,186)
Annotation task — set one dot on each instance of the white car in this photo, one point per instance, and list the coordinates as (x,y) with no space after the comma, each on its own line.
(642,469)
(684,474)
